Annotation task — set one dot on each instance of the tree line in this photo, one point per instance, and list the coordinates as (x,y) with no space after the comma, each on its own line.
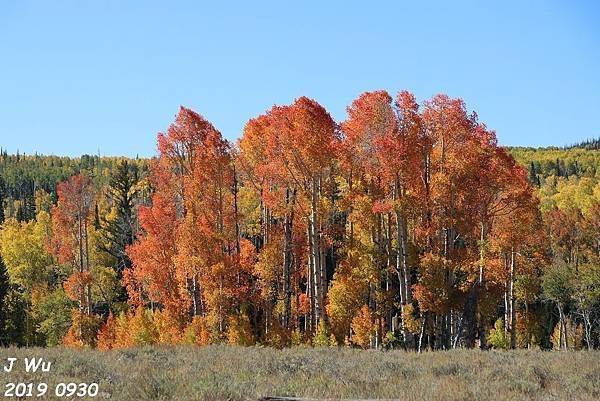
(404,226)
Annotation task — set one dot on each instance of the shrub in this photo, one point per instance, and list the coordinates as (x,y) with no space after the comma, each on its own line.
(321,337)
(297,337)
(278,336)
(497,338)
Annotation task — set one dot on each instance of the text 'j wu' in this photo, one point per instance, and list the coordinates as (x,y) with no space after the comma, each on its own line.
(31,365)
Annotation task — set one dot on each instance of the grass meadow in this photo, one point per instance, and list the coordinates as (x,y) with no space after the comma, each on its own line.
(237,373)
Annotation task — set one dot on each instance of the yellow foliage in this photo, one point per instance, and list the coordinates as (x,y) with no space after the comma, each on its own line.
(278,336)
(123,337)
(333,341)
(363,328)
(23,249)
(321,337)
(297,337)
(240,331)
(497,338)
(169,328)
(197,332)
(142,328)
(412,324)
(347,292)
(573,333)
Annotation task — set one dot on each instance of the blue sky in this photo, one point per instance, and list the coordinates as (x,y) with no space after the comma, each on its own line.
(87,76)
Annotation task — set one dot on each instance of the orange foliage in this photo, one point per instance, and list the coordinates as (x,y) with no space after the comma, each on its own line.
(76,284)
(397,192)
(83,331)
(363,328)
(154,273)
(197,332)
(107,335)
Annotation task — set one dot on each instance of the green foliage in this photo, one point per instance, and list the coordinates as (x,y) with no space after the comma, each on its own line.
(565,177)
(16,328)
(53,315)
(559,162)
(34,309)
(117,225)
(106,284)
(497,337)
(391,341)
(587,286)
(23,174)
(322,335)
(557,283)
(589,144)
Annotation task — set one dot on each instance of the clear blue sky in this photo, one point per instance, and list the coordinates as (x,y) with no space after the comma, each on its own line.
(81,76)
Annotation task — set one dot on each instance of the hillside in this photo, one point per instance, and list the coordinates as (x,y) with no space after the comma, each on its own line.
(565,177)
(553,170)
(24,176)
(589,144)
(560,162)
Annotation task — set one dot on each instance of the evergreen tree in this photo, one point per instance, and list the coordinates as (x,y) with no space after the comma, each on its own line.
(20,215)
(118,228)
(533,176)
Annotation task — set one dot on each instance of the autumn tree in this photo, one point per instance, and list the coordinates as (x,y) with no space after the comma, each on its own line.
(187,259)
(293,172)
(371,141)
(276,205)
(4,287)
(153,277)
(71,221)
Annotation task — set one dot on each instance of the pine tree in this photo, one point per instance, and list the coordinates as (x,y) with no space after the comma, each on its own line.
(118,228)
(533,177)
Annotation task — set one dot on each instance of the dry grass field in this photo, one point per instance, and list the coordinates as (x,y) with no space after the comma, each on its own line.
(236,373)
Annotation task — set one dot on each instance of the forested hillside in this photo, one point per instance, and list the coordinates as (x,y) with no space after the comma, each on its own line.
(26,179)
(404,226)
(565,178)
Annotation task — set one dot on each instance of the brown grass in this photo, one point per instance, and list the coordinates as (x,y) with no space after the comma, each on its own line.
(236,373)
